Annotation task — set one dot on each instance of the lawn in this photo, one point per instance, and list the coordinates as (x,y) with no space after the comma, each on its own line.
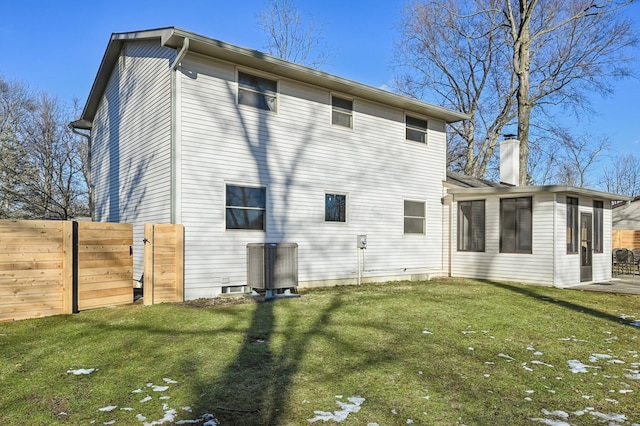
(441,352)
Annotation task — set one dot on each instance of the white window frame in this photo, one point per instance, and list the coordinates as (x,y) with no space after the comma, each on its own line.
(423,217)
(265,93)
(238,207)
(343,111)
(424,131)
(346,207)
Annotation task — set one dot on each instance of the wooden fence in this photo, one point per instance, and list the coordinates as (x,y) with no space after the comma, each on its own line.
(629,239)
(62,267)
(36,269)
(163,263)
(105,264)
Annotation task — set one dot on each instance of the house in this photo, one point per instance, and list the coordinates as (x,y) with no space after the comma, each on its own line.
(626,225)
(244,149)
(552,235)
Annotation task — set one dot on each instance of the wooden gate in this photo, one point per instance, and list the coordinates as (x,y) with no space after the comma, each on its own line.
(163,263)
(105,264)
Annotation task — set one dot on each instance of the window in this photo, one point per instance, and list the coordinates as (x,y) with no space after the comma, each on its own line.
(516,225)
(246,207)
(414,217)
(335,208)
(598,227)
(416,129)
(471,225)
(573,237)
(258,92)
(341,112)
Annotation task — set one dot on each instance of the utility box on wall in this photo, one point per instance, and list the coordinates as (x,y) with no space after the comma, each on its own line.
(272,266)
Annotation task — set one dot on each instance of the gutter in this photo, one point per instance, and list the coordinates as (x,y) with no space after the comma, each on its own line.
(176,141)
(181,54)
(74,126)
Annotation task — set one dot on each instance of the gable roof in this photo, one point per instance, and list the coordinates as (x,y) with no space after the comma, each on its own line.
(176,38)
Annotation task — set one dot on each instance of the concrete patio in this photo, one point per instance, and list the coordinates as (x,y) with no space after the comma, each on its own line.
(620,284)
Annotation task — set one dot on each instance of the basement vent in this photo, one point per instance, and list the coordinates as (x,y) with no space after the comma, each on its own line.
(272,266)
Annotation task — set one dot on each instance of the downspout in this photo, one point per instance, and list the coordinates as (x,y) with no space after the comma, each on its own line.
(89,175)
(176,131)
(555,231)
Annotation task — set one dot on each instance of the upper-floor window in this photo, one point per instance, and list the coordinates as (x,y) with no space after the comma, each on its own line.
(335,208)
(573,237)
(341,112)
(516,225)
(246,207)
(414,217)
(471,225)
(598,227)
(258,92)
(416,129)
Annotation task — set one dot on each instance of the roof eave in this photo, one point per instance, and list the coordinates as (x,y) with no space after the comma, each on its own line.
(572,190)
(174,38)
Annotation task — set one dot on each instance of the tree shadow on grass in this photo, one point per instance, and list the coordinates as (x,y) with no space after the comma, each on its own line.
(537,292)
(254,388)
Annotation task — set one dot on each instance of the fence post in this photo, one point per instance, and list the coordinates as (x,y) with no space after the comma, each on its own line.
(68,267)
(147,286)
(179,262)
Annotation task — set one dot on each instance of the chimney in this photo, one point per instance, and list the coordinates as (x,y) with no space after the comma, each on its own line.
(510,161)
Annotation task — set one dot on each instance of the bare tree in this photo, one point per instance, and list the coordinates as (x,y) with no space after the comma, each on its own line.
(290,36)
(42,160)
(562,49)
(452,53)
(501,60)
(15,169)
(622,176)
(576,156)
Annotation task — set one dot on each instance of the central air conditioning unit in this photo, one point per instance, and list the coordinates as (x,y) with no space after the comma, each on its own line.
(272,266)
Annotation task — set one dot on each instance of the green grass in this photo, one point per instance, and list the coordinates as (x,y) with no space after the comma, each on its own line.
(428,352)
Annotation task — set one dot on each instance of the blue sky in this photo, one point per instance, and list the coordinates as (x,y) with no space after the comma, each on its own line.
(57,47)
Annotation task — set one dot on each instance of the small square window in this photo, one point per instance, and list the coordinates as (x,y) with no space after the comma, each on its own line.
(416,129)
(341,112)
(335,208)
(257,92)
(414,217)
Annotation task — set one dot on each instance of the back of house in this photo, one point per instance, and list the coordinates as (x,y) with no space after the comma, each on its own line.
(243,148)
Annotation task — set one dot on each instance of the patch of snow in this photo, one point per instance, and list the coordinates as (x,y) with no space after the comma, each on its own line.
(509,358)
(108,408)
(612,417)
(625,391)
(535,361)
(339,415)
(157,388)
(81,371)
(635,323)
(426,332)
(578,367)
(173,382)
(146,398)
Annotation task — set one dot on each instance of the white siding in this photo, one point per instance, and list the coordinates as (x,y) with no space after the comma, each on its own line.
(535,268)
(549,263)
(299,156)
(131,142)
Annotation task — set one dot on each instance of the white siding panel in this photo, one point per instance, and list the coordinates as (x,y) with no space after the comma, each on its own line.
(132,142)
(299,156)
(535,268)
